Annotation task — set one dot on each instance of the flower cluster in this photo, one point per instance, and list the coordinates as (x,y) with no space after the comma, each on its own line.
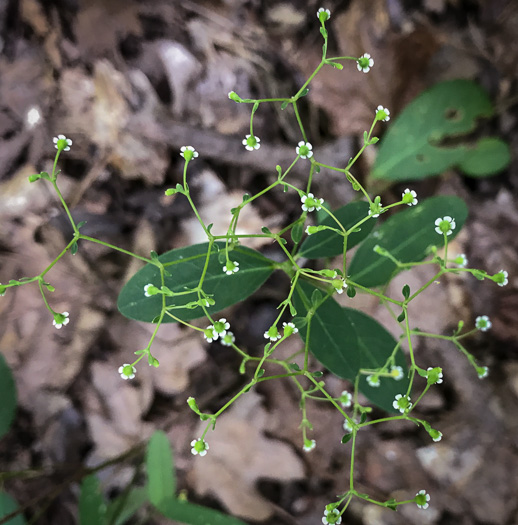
(216,330)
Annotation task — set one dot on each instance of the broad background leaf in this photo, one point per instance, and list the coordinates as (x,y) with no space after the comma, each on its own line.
(7,506)
(7,397)
(124,506)
(345,340)
(489,157)
(186,266)
(329,244)
(426,138)
(406,235)
(160,469)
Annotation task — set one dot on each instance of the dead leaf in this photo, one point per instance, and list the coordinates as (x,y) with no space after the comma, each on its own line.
(239,455)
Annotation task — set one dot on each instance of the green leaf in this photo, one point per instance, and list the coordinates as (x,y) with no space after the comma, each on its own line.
(160,469)
(406,235)
(426,138)
(92,508)
(284,105)
(328,243)
(8,397)
(186,267)
(74,248)
(7,506)
(124,506)
(297,231)
(346,438)
(191,514)
(345,340)
(489,157)
(406,291)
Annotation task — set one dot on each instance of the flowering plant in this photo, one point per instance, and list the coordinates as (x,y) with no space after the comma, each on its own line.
(199,281)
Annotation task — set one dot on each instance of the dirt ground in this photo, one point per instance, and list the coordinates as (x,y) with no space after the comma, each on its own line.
(130,82)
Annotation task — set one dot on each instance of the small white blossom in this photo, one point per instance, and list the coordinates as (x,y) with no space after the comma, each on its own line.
(437,375)
(309,445)
(199,446)
(482,372)
(411,200)
(323,14)
(402,403)
(289,329)
(272,334)
(188,152)
(483,323)
(251,142)
(228,339)
(345,399)
(61,320)
(147,290)
(231,267)
(347,426)
(373,380)
(461,260)
(210,334)
(436,435)
(445,225)
(422,499)
(397,372)
(310,203)
(339,284)
(62,143)
(503,278)
(382,114)
(304,150)
(127,371)
(332,517)
(364,63)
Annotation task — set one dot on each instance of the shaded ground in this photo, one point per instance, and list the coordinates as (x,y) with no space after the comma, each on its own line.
(132,82)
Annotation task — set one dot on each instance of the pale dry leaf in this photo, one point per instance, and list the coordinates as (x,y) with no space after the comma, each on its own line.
(239,455)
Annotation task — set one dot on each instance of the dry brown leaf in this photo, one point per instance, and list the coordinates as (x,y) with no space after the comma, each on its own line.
(239,455)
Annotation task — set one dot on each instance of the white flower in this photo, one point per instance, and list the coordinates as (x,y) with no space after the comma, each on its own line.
(502,278)
(2,293)
(61,320)
(422,499)
(373,380)
(339,284)
(402,403)
(438,376)
(323,14)
(461,260)
(147,290)
(347,426)
(127,371)
(272,334)
(345,399)
(251,142)
(396,372)
(364,63)
(289,329)
(309,445)
(199,446)
(483,323)
(445,225)
(61,143)
(436,435)
(304,150)
(382,114)
(331,517)
(231,267)
(188,152)
(210,334)
(411,200)
(482,372)
(228,339)
(220,327)
(310,203)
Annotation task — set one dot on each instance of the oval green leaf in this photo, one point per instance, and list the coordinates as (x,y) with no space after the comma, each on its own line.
(186,266)
(407,236)
(160,469)
(345,341)
(92,508)
(489,157)
(8,397)
(7,506)
(191,514)
(425,139)
(328,243)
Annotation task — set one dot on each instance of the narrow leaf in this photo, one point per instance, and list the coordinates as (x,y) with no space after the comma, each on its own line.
(8,397)
(160,469)
(124,506)
(191,514)
(92,508)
